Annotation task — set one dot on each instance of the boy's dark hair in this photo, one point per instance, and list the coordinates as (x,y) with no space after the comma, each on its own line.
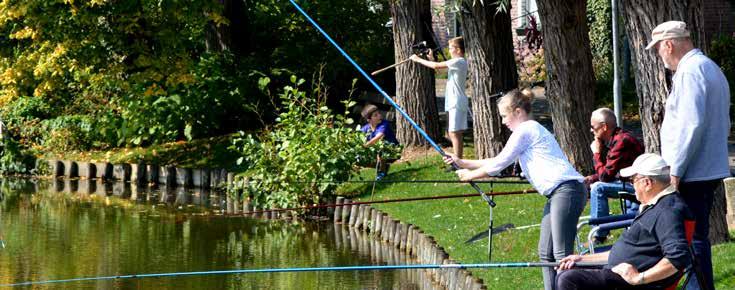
(368,111)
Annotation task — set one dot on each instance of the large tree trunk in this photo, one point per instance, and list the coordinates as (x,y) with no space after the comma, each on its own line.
(233,37)
(415,91)
(492,69)
(641,17)
(570,86)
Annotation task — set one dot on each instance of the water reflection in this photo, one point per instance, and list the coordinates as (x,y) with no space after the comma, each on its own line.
(70,228)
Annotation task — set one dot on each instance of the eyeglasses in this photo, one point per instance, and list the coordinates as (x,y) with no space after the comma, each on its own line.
(592,127)
(637,178)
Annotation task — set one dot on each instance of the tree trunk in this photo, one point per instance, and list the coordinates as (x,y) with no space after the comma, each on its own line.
(492,69)
(718,230)
(641,17)
(570,85)
(415,92)
(651,77)
(232,37)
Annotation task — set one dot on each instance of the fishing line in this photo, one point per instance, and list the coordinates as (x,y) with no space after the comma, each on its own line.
(310,269)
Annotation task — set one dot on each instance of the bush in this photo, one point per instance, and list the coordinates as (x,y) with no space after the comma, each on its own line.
(69,133)
(14,160)
(308,144)
(599,19)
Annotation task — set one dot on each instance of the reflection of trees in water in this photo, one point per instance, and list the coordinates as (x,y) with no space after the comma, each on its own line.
(75,234)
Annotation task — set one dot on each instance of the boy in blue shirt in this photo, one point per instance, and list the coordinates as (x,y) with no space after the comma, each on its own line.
(378,129)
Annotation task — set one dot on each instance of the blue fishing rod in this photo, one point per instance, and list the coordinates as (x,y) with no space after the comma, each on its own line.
(485,197)
(311,269)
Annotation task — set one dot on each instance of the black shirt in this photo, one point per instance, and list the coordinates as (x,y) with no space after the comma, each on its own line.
(656,233)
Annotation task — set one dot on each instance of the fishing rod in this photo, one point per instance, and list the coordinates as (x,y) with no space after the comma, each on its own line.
(484,196)
(311,269)
(386,201)
(491,182)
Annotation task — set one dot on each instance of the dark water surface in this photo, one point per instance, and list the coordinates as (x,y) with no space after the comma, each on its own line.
(55,231)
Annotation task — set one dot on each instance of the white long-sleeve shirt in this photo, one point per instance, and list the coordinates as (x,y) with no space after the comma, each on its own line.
(697,120)
(540,156)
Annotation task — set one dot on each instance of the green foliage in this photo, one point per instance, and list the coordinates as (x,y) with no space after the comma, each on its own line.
(721,51)
(67,133)
(308,143)
(599,13)
(145,72)
(531,64)
(13,159)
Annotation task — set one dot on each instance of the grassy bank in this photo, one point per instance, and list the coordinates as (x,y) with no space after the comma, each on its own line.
(452,221)
(201,153)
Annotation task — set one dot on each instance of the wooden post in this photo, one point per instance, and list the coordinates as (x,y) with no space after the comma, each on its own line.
(87,170)
(152,173)
(358,218)
(338,209)
(409,238)
(373,217)
(384,228)
(353,215)
(378,223)
(366,218)
(71,169)
(121,172)
(346,211)
(138,173)
(730,200)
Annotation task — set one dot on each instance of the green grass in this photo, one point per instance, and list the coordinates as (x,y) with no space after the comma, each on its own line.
(201,153)
(452,221)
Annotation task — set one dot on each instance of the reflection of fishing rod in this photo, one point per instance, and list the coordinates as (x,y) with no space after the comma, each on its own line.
(408,119)
(386,201)
(315,269)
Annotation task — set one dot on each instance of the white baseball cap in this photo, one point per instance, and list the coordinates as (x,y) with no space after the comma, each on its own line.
(648,164)
(668,30)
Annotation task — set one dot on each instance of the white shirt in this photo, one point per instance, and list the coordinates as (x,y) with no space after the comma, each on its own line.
(540,156)
(454,96)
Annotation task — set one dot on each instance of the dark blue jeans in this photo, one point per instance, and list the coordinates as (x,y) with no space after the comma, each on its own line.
(698,196)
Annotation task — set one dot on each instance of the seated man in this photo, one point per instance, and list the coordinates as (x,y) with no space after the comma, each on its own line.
(652,250)
(378,129)
(613,149)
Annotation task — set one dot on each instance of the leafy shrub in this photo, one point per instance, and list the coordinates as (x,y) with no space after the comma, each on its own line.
(599,19)
(13,159)
(531,64)
(69,133)
(306,145)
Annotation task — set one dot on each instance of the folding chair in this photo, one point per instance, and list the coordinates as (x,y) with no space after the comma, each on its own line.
(624,221)
(604,223)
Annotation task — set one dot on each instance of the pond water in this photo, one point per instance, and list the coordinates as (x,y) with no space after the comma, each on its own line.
(52,230)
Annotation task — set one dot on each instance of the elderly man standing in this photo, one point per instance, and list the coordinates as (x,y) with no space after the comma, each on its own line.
(613,149)
(653,250)
(695,129)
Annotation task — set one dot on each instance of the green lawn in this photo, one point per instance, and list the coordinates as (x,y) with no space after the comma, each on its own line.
(201,153)
(452,221)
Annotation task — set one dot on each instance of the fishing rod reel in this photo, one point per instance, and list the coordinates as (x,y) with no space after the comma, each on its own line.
(421,49)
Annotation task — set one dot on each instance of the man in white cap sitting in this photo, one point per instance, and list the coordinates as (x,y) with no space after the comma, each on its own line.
(652,252)
(694,131)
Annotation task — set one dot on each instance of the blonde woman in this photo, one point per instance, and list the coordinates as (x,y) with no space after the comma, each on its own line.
(547,169)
